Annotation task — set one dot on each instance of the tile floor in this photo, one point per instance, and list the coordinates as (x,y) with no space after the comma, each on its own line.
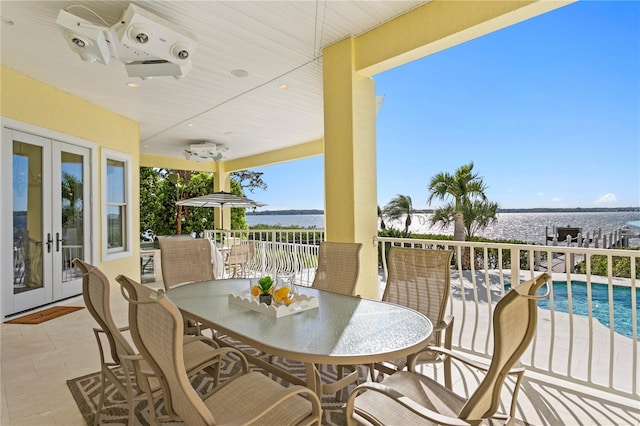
(36,361)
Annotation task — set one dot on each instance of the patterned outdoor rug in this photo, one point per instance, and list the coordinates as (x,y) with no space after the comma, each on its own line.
(86,392)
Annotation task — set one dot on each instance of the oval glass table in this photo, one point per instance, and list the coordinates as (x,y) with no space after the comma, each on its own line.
(343,330)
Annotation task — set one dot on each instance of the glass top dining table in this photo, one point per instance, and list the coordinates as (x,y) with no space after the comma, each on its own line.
(343,330)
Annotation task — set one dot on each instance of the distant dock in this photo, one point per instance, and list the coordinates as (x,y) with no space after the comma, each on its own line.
(569,236)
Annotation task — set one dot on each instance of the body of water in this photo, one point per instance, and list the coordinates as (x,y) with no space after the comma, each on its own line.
(529,227)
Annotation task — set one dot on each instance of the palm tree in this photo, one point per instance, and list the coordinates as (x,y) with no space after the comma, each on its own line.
(463,186)
(398,207)
(478,214)
(381,216)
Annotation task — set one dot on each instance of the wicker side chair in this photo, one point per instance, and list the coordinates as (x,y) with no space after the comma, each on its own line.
(338,267)
(185,260)
(139,382)
(248,398)
(420,279)
(238,258)
(408,397)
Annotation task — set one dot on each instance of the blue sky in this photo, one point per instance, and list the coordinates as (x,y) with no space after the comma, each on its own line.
(548,110)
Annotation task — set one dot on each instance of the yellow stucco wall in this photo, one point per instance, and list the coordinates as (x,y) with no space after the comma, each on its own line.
(30,101)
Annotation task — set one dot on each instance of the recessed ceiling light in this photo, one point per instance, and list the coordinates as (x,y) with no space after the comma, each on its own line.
(190,125)
(146,145)
(283,86)
(133,85)
(240,73)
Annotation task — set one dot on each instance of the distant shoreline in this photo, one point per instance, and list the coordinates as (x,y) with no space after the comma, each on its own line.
(532,210)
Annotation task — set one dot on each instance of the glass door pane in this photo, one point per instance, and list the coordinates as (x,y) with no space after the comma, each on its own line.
(28,224)
(70,216)
(72,212)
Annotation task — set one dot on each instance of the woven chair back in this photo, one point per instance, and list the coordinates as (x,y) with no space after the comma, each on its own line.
(185,260)
(420,279)
(514,325)
(338,267)
(96,293)
(157,329)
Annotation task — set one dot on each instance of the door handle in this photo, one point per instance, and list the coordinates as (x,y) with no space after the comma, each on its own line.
(58,241)
(49,242)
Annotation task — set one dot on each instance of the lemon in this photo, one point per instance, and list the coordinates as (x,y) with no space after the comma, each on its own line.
(255,291)
(289,299)
(280,294)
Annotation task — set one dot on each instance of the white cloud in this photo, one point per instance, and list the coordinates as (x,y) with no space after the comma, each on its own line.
(556,199)
(606,199)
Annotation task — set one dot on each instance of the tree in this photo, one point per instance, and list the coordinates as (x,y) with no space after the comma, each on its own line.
(249,180)
(72,206)
(381,217)
(478,214)
(151,200)
(463,186)
(398,207)
(160,189)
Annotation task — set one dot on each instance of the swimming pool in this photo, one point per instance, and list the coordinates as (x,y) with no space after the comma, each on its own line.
(622,322)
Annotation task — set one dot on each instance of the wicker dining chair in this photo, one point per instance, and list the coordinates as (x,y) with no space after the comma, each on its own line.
(338,267)
(410,398)
(337,271)
(248,398)
(186,260)
(238,258)
(420,279)
(138,383)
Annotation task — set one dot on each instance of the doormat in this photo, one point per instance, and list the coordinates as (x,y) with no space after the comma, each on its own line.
(45,315)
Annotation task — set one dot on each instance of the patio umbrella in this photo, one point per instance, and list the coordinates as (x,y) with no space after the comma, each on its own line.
(220,199)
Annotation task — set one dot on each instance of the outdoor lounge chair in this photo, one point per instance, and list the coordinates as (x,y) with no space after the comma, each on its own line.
(248,398)
(420,279)
(410,398)
(139,382)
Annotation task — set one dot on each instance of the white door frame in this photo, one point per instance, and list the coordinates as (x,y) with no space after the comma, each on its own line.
(6,194)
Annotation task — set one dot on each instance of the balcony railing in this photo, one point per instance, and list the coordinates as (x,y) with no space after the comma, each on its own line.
(587,330)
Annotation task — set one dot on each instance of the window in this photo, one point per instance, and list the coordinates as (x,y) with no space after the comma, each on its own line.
(116,205)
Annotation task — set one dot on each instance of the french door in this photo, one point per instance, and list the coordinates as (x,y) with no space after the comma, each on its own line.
(49,200)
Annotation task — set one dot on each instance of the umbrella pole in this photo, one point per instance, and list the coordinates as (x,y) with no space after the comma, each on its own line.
(222,216)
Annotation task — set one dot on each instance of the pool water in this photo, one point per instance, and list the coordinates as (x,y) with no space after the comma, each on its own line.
(622,321)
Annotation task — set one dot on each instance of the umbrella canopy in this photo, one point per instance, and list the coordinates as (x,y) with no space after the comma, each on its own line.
(220,199)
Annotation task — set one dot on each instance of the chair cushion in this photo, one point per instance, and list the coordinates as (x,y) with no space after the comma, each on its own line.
(423,390)
(237,397)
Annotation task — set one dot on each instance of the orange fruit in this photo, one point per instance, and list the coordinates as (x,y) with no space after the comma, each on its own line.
(255,291)
(289,299)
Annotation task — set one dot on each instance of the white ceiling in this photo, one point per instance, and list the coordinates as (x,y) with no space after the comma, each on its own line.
(276,42)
